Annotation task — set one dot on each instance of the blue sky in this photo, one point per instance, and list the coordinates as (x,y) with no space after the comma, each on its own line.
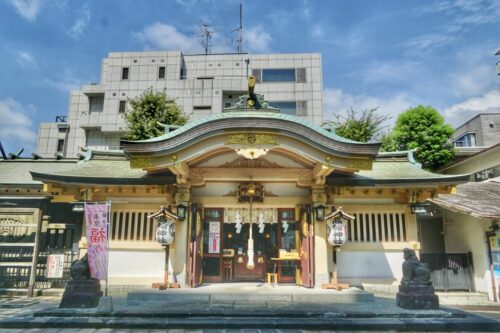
(387,54)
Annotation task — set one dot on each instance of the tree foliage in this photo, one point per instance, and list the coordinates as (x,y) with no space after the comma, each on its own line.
(423,128)
(148,111)
(363,128)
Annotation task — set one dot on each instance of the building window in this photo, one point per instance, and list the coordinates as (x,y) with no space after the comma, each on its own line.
(60,145)
(122,107)
(301,75)
(285,107)
(257,73)
(368,227)
(125,73)
(202,107)
(96,103)
(278,75)
(467,140)
(161,72)
(302,108)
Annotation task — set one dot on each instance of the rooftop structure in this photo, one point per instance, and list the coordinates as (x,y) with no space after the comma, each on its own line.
(483,130)
(202,85)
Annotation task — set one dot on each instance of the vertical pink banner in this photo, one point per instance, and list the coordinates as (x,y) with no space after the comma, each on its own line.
(96,217)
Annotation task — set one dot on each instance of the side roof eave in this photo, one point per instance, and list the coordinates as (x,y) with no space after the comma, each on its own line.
(394,172)
(356,180)
(104,172)
(81,180)
(251,121)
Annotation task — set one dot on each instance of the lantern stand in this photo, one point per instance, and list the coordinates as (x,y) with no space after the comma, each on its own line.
(338,216)
(163,215)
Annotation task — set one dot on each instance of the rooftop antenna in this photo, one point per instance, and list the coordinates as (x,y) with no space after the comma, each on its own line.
(207,30)
(240,30)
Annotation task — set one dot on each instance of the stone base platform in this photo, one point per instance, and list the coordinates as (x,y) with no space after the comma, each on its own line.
(248,292)
(380,315)
(222,307)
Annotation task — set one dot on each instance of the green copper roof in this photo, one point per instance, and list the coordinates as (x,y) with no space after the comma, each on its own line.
(249,114)
(17,172)
(390,172)
(105,172)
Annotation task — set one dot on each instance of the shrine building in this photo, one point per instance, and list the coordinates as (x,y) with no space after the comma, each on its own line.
(250,182)
(252,173)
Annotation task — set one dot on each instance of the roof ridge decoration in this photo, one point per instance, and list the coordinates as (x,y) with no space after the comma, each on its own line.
(251,101)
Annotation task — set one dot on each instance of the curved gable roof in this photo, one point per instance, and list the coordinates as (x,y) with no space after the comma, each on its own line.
(250,121)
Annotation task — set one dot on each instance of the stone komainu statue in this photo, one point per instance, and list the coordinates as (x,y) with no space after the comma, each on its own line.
(414,271)
(416,290)
(82,290)
(80,269)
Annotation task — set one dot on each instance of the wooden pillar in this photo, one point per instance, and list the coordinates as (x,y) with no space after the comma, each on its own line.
(37,216)
(335,283)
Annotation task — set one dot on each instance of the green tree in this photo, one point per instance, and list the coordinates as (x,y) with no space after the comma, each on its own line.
(362,128)
(149,111)
(423,128)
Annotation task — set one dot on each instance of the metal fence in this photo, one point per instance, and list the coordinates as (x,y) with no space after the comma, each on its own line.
(16,257)
(450,271)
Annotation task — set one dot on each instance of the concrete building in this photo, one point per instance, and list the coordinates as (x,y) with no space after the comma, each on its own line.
(202,84)
(482,130)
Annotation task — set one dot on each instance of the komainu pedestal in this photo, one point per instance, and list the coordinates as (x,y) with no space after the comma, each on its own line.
(82,291)
(416,290)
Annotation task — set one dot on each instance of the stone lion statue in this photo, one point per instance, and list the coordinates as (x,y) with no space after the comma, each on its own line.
(415,273)
(80,269)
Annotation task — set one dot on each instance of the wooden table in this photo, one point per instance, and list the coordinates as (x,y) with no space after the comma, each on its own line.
(279,260)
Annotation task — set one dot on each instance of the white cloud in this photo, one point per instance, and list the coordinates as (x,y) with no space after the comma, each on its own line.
(190,3)
(463,111)
(167,37)
(457,17)
(317,31)
(28,9)
(336,102)
(390,72)
(473,82)
(256,39)
(80,24)
(423,44)
(25,59)
(65,82)
(465,11)
(16,127)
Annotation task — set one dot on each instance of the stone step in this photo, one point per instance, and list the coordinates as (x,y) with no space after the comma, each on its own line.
(351,295)
(463,298)
(469,323)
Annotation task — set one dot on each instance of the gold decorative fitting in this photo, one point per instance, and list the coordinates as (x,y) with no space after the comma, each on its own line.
(251,139)
(252,153)
(361,164)
(173,158)
(140,162)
